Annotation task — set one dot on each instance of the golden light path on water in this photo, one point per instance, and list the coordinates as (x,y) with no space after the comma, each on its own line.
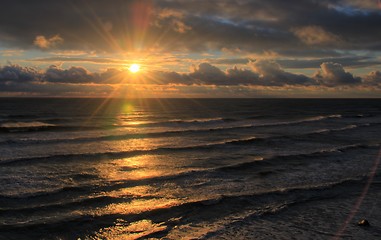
(138,199)
(124,230)
(134,168)
(146,197)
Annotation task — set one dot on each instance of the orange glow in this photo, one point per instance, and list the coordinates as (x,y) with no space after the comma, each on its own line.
(134,168)
(126,230)
(137,206)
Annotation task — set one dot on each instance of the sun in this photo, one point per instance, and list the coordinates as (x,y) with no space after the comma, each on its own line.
(134,68)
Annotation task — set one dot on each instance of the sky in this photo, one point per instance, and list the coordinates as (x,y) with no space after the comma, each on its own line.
(190,48)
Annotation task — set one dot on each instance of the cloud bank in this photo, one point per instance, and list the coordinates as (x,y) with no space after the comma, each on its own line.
(264,73)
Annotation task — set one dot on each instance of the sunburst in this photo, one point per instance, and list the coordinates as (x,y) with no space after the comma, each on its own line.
(134,68)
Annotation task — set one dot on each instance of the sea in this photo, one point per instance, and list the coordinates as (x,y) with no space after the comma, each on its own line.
(189,168)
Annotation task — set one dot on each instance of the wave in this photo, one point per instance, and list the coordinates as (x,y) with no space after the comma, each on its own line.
(165,133)
(24,126)
(105,195)
(91,189)
(237,168)
(203,120)
(266,202)
(343,129)
(70,204)
(12,199)
(293,122)
(7,125)
(18,116)
(77,192)
(174,122)
(159,150)
(294,157)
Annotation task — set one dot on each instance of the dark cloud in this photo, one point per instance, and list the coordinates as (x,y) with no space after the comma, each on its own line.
(242,76)
(273,23)
(351,61)
(229,61)
(260,73)
(85,25)
(71,75)
(373,78)
(168,77)
(118,25)
(299,63)
(208,74)
(16,73)
(55,89)
(361,5)
(271,74)
(17,79)
(333,74)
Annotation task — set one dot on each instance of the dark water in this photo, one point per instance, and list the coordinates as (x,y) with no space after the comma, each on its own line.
(189,169)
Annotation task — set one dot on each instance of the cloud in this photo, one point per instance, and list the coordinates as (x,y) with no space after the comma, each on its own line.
(258,75)
(173,18)
(373,78)
(55,89)
(16,73)
(80,59)
(228,60)
(44,43)
(11,52)
(51,82)
(315,35)
(333,74)
(271,25)
(72,75)
(271,74)
(207,73)
(345,61)
(251,26)
(242,76)
(363,4)
(168,77)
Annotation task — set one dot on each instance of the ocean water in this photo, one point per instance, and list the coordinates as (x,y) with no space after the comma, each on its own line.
(190,168)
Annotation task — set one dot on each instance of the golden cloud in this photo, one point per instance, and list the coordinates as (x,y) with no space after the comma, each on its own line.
(46,43)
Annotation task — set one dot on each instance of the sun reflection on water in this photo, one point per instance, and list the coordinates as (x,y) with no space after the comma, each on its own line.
(137,198)
(125,230)
(133,168)
(128,231)
(137,206)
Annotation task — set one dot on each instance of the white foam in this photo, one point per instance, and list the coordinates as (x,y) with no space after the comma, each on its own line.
(35,124)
